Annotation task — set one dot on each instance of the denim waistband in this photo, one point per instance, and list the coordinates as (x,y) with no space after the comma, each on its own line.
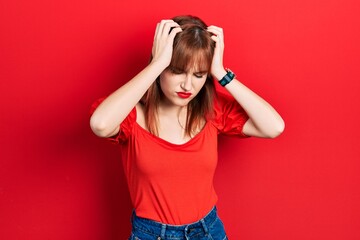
(164,231)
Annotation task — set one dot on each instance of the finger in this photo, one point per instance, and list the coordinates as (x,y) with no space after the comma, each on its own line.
(156,30)
(173,32)
(215,38)
(218,36)
(219,44)
(161,26)
(216,30)
(218,39)
(163,23)
(215,27)
(168,26)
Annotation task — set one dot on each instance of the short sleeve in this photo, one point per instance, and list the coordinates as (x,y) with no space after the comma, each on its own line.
(229,116)
(125,127)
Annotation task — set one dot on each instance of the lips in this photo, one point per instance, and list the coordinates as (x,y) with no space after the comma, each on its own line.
(183,94)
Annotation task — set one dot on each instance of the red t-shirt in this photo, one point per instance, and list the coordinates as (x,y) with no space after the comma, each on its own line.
(173,183)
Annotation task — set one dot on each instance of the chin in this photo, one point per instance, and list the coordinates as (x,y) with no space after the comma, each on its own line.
(180,102)
(176,101)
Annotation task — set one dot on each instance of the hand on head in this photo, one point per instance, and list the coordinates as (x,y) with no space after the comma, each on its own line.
(162,48)
(217,68)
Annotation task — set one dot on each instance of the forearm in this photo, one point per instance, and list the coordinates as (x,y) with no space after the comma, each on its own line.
(264,120)
(264,117)
(114,109)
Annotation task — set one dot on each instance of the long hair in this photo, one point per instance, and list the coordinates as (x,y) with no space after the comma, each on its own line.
(192,46)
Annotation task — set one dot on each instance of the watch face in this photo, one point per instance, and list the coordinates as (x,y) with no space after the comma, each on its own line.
(227,78)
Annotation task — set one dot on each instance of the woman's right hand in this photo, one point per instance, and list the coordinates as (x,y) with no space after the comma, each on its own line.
(163,41)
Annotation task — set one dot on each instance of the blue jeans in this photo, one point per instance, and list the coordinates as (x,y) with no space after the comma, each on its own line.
(208,228)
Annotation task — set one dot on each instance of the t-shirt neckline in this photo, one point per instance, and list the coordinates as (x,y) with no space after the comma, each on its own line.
(198,135)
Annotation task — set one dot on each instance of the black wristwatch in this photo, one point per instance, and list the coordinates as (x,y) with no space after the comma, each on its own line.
(227,78)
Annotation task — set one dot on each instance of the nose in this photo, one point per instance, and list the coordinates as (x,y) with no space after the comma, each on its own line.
(186,85)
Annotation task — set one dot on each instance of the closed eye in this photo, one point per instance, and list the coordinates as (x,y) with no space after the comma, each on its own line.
(200,74)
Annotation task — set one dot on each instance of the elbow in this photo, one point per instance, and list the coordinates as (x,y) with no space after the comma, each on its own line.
(278,129)
(98,127)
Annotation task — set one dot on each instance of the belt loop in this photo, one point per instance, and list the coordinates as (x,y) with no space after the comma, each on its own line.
(204,226)
(163,229)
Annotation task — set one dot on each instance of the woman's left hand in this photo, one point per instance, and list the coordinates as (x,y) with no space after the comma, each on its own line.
(217,68)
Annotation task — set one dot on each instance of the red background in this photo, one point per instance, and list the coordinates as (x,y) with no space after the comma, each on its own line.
(59,181)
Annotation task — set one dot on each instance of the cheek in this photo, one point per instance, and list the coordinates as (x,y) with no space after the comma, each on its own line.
(167,86)
(164,82)
(199,83)
(163,86)
(169,82)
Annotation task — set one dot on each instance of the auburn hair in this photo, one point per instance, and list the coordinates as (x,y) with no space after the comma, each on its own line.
(193,47)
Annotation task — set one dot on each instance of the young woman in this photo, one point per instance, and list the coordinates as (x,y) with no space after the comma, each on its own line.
(167,119)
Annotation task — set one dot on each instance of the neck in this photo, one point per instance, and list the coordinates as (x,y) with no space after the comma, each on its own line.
(173,113)
(171,110)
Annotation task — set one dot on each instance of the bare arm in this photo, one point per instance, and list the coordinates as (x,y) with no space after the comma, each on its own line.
(113,110)
(263,121)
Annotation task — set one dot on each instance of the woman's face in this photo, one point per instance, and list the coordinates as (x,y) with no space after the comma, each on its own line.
(180,87)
